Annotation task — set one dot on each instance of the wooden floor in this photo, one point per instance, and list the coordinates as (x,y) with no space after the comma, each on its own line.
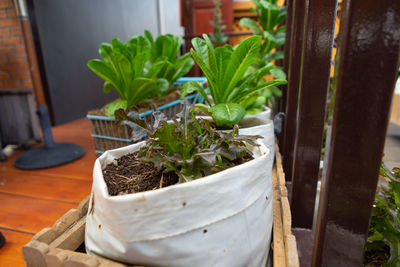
(33,200)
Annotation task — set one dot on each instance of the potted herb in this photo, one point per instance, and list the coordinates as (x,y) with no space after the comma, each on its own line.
(141,71)
(230,86)
(220,213)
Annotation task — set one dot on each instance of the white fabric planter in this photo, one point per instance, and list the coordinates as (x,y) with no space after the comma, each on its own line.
(263,115)
(224,219)
(258,125)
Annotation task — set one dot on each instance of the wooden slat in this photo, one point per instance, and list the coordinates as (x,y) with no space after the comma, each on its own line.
(30,214)
(279,242)
(292,258)
(32,184)
(72,238)
(10,253)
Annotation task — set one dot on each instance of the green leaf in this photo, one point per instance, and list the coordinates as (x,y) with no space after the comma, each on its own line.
(253,90)
(222,55)
(242,57)
(138,64)
(106,73)
(182,66)
(201,48)
(140,89)
(107,87)
(252,25)
(105,51)
(162,86)
(166,138)
(227,114)
(149,37)
(278,73)
(212,82)
(113,106)
(192,86)
(276,55)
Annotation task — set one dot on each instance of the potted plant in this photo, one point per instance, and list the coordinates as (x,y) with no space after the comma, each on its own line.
(141,71)
(270,18)
(219,213)
(230,86)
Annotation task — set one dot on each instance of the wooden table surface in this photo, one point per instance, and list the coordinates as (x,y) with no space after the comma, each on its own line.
(33,200)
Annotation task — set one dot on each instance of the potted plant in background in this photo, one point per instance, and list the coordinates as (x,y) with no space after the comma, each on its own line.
(231,86)
(223,218)
(269,27)
(143,72)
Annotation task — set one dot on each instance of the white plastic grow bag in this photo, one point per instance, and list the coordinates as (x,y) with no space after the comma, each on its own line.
(224,219)
(253,125)
(265,114)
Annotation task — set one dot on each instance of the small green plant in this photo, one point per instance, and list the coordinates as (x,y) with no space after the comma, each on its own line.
(270,16)
(139,69)
(189,146)
(225,68)
(164,60)
(385,220)
(218,37)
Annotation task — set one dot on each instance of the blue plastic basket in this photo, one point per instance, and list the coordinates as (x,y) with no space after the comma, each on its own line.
(107,135)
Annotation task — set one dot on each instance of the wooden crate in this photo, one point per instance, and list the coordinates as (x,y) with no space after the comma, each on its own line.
(284,244)
(56,246)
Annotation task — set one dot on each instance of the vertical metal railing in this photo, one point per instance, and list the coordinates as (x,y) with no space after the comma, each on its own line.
(314,81)
(369,49)
(294,68)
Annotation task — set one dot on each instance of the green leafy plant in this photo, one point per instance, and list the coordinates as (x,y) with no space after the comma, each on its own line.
(189,146)
(139,69)
(270,17)
(229,84)
(218,37)
(164,61)
(385,220)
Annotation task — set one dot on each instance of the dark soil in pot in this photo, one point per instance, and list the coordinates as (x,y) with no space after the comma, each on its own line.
(147,105)
(128,175)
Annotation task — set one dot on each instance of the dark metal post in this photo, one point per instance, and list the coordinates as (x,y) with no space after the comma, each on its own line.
(286,49)
(314,82)
(369,55)
(296,42)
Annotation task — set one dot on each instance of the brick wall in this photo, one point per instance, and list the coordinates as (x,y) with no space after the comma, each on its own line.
(14,68)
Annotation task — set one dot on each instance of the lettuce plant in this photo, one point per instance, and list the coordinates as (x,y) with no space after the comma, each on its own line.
(189,146)
(270,16)
(139,69)
(164,61)
(225,68)
(385,220)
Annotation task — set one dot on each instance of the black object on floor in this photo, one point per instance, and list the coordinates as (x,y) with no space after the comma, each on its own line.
(2,240)
(46,157)
(51,154)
